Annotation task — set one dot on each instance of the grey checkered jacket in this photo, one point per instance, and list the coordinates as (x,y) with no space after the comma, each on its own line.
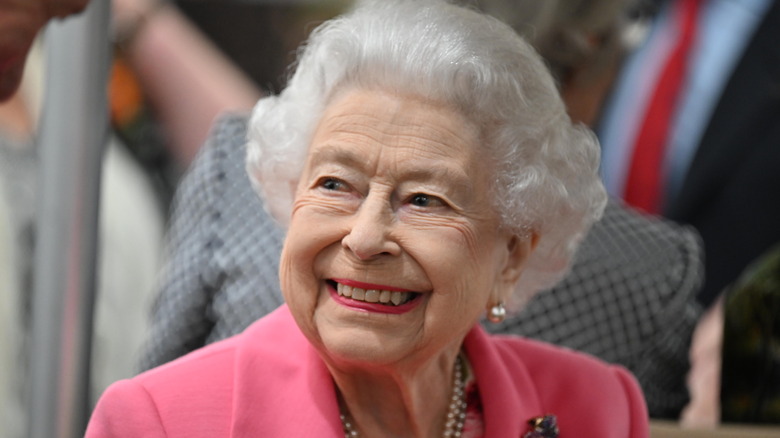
(629,298)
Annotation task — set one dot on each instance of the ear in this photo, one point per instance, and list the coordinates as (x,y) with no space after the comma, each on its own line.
(518,249)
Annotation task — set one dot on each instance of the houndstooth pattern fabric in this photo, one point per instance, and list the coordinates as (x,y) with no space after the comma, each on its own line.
(223,251)
(629,298)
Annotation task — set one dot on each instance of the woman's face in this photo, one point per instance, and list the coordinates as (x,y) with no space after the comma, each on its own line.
(394,249)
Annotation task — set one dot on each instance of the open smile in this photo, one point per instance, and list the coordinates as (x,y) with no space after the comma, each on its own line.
(372,297)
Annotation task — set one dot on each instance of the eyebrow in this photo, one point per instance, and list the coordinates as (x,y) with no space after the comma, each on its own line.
(456,178)
(335,154)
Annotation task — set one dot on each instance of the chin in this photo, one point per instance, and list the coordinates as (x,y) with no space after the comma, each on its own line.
(365,350)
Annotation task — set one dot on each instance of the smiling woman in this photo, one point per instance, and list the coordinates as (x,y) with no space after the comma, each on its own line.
(427,173)
(394,185)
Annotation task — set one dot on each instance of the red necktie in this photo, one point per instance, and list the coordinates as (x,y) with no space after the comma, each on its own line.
(644,186)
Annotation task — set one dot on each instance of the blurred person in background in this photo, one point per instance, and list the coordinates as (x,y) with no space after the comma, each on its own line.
(131,214)
(691,129)
(185,77)
(691,132)
(583,41)
(10,334)
(129,251)
(20,22)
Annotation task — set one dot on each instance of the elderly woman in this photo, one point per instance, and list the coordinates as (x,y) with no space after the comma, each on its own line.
(427,172)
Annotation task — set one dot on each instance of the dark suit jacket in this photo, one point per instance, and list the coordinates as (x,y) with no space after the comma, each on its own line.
(731,193)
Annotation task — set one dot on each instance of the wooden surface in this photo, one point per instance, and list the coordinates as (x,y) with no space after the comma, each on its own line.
(662,429)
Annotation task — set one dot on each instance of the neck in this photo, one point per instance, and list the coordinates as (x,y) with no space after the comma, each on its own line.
(397,401)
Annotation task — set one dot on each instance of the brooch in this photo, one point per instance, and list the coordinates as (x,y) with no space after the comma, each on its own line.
(543,427)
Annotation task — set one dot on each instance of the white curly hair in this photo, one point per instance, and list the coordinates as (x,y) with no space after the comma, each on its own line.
(546,179)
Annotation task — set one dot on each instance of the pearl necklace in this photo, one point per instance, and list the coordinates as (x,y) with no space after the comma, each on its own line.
(456,414)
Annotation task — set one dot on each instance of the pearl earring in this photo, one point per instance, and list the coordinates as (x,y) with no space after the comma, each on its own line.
(497,313)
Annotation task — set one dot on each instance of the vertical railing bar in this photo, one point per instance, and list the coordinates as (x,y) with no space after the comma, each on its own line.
(73,132)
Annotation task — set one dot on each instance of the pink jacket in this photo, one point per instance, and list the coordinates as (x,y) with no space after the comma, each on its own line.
(270,382)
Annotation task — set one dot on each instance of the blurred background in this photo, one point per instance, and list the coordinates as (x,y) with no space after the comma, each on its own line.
(178,65)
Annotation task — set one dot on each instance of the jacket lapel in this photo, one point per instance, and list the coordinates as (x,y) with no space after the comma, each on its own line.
(509,396)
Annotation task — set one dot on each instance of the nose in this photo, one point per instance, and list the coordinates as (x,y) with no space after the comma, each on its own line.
(369,235)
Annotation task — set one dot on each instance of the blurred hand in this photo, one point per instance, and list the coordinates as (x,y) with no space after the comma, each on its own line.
(128,14)
(20,21)
(129,9)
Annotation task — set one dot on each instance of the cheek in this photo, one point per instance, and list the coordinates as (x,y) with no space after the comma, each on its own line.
(313,225)
(451,239)
(310,234)
(466,265)
(296,263)
(290,278)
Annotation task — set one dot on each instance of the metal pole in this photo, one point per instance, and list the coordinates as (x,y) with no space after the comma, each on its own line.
(74,128)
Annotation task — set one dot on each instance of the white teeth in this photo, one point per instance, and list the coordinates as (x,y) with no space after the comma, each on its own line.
(396,298)
(373,295)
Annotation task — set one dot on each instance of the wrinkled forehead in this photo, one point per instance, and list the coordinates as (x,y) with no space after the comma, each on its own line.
(380,117)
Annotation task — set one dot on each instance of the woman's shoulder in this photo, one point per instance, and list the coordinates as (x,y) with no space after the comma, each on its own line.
(218,387)
(549,364)
(218,361)
(580,389)
(534,351)
(214,358)
(147,405)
